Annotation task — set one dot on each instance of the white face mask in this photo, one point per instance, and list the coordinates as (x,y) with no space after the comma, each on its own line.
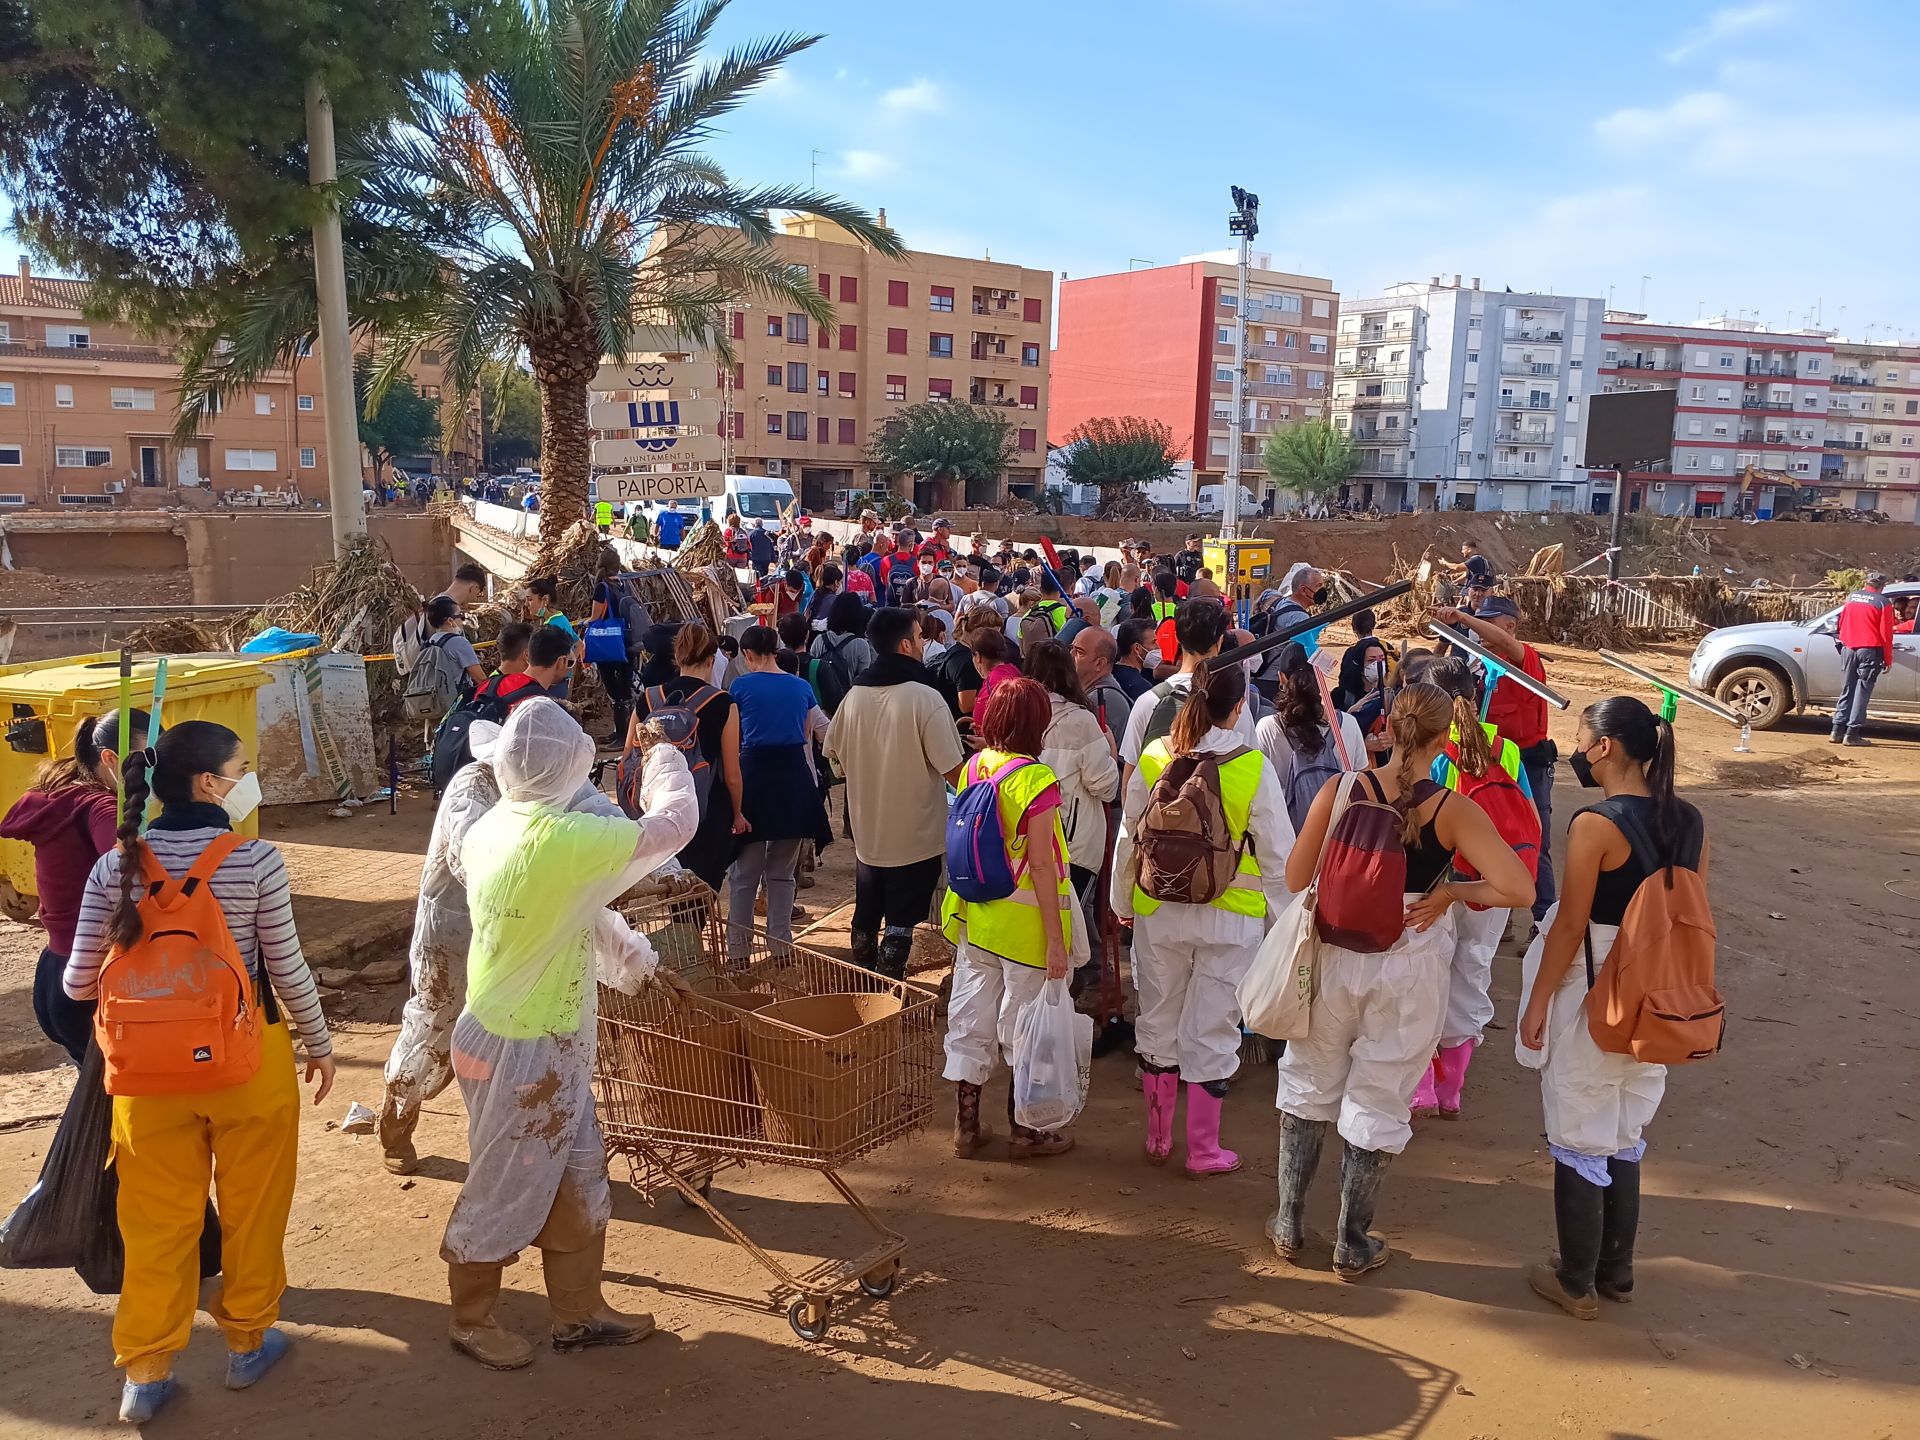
(243,799)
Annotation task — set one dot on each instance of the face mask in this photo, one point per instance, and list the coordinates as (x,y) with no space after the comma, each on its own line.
(1582,769)
(1320,596)
(926,571)
(243,799)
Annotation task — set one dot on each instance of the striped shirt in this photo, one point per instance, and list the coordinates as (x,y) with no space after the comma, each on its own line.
(251,886)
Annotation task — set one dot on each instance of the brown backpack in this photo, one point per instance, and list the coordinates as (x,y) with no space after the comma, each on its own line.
(1186,850)
(1654,997)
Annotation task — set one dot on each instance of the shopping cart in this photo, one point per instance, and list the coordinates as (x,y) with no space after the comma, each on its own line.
(783,1056)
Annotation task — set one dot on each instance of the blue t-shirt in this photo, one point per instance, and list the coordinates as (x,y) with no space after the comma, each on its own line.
(668,525)
(773,707)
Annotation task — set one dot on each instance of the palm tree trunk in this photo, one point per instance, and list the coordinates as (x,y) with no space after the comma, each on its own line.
(566,452)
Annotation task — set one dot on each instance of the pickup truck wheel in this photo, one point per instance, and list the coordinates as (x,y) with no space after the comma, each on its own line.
(1757,693)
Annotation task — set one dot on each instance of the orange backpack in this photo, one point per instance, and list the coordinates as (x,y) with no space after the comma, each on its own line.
(1654,998)
(179,1013)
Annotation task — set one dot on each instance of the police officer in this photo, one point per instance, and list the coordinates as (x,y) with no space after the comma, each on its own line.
(1866,651)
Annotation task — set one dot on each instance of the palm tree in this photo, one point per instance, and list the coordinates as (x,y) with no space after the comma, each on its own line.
(1312,459)
(558,204)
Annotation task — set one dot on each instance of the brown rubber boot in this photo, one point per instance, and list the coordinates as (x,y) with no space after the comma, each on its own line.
(582,1319)
(474,1331)
(968,1133)
(396,1137)
(1026,1144)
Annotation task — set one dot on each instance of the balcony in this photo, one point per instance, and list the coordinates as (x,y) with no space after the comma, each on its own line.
(1846,444)
(1375,335)
(1289,353)
(1770,367)
(1778,407)
(1853,379)
(1520,472)
(1262,390)
(1524,402)
(1379,437)
(1370,465)
(1375,402)
(1373,367)
(1531,435)
(1648,367)
(1533,332)
(1529,367)
(991,355)
(110,354)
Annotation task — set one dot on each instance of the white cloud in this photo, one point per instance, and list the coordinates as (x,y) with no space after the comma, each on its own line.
(866,164)
(1641,126)
(920,96)
(1726,23)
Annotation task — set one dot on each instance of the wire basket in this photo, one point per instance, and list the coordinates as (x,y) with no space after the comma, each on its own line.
(782,1055)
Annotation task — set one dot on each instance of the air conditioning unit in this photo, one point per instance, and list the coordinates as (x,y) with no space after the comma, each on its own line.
(776,467)
(115,487)
(1659,487)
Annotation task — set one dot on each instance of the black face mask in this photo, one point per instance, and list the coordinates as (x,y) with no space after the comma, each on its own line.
(1582,769)
(1320,596)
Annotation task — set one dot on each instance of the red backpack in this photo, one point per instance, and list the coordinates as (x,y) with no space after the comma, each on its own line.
(1507,805)
(1363,870)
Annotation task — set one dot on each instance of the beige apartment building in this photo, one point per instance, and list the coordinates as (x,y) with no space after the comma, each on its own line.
(87,415)
(1872,454)
(804,401)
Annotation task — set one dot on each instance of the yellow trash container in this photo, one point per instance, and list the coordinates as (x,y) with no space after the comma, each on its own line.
(58,693)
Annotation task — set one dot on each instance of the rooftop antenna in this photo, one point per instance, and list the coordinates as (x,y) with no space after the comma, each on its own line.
(814,182)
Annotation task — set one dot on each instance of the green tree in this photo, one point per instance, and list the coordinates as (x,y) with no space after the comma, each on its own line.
(1312,459)
(401,421)
(558,206)
(942,440)
(509,418)
(1120,455)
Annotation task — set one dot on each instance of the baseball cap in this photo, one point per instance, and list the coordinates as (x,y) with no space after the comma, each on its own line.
(1495,607)
(1876,579)
(943,523)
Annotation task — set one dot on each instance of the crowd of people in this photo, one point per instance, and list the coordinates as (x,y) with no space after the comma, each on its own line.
(1152,777)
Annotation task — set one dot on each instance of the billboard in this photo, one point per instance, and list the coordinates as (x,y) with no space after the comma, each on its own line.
(1629,429)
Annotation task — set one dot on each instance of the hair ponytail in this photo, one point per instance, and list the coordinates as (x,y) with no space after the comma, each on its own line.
(1666,805)
(1647,738)
(123,929)
(1476,754)
(166,770)
(1211,699)
(80,766)
(1421,714)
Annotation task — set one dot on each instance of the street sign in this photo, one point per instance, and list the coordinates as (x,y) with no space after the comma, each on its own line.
(656,408)
(651,447)
(677,375)
(673,485)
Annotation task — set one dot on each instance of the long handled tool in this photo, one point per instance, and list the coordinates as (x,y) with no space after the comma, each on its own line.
(1672,693)
(1497,669)
(1266,643)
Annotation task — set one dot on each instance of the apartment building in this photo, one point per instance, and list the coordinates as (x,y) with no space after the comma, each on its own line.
(1871,457)
(87,414)
(1159,343)
(805,400)
(1462,398)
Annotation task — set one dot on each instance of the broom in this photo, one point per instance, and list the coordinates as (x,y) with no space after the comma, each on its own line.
(1112,1029)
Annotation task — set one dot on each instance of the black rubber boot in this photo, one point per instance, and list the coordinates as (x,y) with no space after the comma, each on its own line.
(1568,1282)
(865,947)
(1620,1222)
(1358,1249)
(896,948)
(1300,1142)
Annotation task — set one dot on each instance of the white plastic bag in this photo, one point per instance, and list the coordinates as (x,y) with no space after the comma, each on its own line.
(1276,993)
(1052,1060)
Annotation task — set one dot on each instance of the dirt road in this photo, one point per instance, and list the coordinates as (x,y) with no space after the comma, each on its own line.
(1779,1281)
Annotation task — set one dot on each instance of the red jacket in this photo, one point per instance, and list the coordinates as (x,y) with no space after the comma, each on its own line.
(69,829)
(1866,623)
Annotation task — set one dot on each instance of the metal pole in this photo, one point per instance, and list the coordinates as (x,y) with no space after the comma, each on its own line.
(1236,427)
(1619,509)
(344,495)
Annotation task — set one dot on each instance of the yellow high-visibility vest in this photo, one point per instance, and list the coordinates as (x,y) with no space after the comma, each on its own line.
(1238,780)
(1012,928)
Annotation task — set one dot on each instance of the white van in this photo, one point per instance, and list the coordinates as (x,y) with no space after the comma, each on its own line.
(754,497)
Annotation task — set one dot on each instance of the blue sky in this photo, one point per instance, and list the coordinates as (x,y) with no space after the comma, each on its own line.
(1751,156)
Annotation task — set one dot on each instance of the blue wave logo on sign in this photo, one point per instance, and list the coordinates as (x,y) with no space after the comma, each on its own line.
(652,414)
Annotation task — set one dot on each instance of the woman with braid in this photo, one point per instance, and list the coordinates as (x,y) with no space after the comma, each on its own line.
(241,1138)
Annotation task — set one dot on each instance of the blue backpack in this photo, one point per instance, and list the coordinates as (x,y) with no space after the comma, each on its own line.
(978,866)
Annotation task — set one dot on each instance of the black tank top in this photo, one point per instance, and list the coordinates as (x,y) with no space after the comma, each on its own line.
(1427,858)
(1633,815)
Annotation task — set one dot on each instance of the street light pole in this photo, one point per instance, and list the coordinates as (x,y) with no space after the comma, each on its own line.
(1245,223)
(344,495)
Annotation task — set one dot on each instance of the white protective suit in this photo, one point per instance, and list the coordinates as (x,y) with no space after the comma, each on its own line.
(1188,959)
(1597,1104)
(419,1067)
(1078,752)
(1371,1032)
(1470,979)
(523,1047)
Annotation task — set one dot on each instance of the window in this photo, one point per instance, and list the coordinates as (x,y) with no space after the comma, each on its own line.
(824,383)
(939,390)
(9,454)
(737,325)
(849,337)
(1029,397)
(1693,427)
(1893,377)
(1229,300)
(1285,304)
(6,394)
(253,460)
(1696,392)
(305,402)
(846,433)
(1726,362)
(69,337)
(308,459)
(826,284)
(1906,439)
(773,325)
(1574,364)
(79,457)
(1716,462)
(6,332)
(1886,407)
(125,398)
(1906,472)
(846,384)
(1693,462)
(63,396)
(1473,357)
(849,290)
(1322,309)
(1030,311)
(1316,380)
(775,376)
(1701,357)
(1029,439)
(773,424)
(739,424)
(1030,355)
(940,298)
(1723,394)
(1223,374)
(1290,341)
(1284,374)
(940,347)
(739,376)
(896,387)
(1913,406)
(1813,367)
(897,292)
(896,342)
(796,329)
(263,404)
(1316,344)
(797,376)
(1223,410)
(1720,428)
(1223,335)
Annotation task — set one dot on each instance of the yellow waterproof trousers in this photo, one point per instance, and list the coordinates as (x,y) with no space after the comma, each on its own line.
(245,1140)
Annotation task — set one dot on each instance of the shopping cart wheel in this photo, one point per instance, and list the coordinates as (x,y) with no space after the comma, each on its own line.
(879,1283)
(705,1187)
(808,1318)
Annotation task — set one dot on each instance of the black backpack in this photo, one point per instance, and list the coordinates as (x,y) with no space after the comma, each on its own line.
(828,674)
(451,749)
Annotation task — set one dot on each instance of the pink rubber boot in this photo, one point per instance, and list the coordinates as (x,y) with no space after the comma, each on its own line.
(1425,1101)
(1205,1157)
(1162,1091)
(1449,1072)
